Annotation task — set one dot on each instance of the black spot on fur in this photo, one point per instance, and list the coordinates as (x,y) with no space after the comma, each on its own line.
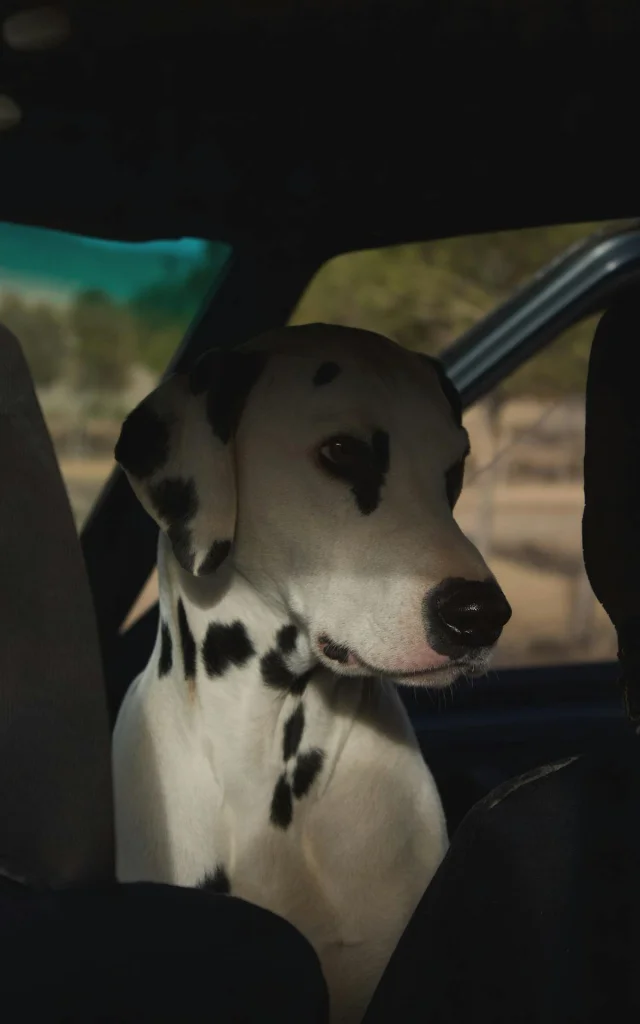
(282,804)
(176,503)
(217,882)
(227,378)
(306,772)
(215,557)
(166,651)
(287,638)
(143,445)
(367,489)
(362,465)
(225,404)
(299,683)
(175,500)
(326,373)
(187,642)
(274,671)
(182,544)
(276,674)
(334,651)
(225,645)
(380,446)
(293,730)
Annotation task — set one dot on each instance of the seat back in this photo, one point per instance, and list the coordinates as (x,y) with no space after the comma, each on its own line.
(611,521)
(534,915)
(56,821)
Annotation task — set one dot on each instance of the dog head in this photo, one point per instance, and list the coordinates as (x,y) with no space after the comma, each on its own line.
(326,462)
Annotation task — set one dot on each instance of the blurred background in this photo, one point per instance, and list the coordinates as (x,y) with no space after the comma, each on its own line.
(99,322)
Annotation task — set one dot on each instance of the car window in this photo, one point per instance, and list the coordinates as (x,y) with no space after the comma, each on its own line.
(98,322)
(523,497)
(523,502)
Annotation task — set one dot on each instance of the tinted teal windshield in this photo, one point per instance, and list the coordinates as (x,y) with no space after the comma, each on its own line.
(98,322)
(68,263)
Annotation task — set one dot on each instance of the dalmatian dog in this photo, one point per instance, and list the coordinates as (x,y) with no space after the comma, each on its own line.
(308,563)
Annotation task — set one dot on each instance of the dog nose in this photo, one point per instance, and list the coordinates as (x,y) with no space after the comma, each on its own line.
(465,613)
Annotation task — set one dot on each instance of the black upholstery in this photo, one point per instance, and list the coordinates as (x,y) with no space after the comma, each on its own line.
(142,954)
(55,780)
(611,523)
(534,916)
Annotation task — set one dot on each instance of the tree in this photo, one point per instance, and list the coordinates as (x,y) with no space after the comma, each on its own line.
(425,295)
(104,341)
(394,291)
(162,312)
(39,330)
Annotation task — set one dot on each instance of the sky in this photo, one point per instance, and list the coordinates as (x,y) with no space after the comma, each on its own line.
(49,262)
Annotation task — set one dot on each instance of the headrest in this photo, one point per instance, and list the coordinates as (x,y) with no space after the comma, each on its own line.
(611,521)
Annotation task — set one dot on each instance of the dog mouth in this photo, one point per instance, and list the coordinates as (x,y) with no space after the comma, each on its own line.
(344,657)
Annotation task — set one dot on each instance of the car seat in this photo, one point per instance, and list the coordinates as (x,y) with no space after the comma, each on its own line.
(534,915)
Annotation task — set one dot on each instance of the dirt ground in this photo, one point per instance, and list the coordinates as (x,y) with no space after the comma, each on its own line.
(535,553)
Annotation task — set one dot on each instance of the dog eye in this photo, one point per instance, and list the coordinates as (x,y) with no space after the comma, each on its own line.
(343,455)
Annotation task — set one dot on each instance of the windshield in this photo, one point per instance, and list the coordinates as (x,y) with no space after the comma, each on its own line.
(98,323)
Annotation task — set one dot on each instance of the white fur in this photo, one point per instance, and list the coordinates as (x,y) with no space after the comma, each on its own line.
(195,766)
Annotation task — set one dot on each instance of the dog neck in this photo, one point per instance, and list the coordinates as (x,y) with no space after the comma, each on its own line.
(221,626)
(236,674)
(237,671)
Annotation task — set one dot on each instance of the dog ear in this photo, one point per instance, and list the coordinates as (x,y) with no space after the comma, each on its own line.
(449,389)
(176,449)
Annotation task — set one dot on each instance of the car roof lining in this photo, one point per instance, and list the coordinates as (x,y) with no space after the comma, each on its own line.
(329,128)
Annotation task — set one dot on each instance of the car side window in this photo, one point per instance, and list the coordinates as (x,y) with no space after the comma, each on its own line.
(522,505)
(98,323)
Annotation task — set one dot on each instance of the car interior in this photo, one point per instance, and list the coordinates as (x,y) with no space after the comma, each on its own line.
(291,134)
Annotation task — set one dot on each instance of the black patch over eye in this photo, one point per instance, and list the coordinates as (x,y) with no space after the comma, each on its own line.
(227,378)
(345,457)
(362,465)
